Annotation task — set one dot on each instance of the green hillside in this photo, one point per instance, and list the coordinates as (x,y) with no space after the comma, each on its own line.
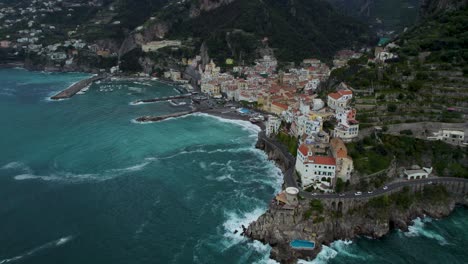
(429,82)
(295,30)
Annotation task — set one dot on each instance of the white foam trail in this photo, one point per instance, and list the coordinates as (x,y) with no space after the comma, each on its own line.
(56,243)
(134,168)
(75,178)
(63,241)
(24,177)
(15,165)
(418,229)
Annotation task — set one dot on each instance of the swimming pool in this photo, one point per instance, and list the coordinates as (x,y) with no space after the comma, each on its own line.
(302,244)
(244,111)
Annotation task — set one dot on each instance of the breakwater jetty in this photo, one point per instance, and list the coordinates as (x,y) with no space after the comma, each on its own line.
(159,99)
(146,119)
(75,88)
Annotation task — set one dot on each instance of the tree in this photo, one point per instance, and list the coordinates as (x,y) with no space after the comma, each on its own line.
(339,186)
(392,108)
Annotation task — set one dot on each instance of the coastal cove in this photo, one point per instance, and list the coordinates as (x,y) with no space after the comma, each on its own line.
(105,189)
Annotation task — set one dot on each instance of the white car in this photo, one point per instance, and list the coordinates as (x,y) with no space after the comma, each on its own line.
(370,192)
(314,194)
(358,193)
(430,182)
(385,187)
(342,194)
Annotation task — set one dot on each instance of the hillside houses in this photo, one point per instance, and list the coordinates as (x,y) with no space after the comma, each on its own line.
(340,99)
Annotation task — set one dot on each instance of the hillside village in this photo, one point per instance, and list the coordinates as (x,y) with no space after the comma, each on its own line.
(48,34)
(295,108)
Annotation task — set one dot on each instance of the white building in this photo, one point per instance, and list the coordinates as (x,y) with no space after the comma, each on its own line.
(314,125)
(316,171)
(347,131)
(318,104)
(312,85)
(340,99)
(417,173)
(272,125)
(456,137)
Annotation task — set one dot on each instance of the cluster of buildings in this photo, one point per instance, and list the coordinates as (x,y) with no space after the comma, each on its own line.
(28,32)
(384,53)
(290,98)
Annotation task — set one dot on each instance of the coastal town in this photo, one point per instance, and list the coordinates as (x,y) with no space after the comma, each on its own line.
(234,131)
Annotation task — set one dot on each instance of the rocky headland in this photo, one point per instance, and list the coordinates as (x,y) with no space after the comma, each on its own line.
(326,220)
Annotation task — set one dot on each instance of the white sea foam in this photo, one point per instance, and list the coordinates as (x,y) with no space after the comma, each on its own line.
(246,125)
(133,168)
(225,177)
(325,255)
(69,177)
(234,222)
(343,248)
(56,243)
(264,250)
(63,240)
(14,165)
(202,165)
(418,229)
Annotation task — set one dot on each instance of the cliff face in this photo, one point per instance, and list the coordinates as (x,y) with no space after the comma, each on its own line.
(207,5)
(278,227)
(430,7)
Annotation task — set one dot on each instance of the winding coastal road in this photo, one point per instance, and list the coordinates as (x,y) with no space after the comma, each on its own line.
(390,187)
(290,181)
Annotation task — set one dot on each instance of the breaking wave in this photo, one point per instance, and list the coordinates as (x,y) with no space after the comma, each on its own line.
(246,125)
(339,247)
(234,223)
(419,229)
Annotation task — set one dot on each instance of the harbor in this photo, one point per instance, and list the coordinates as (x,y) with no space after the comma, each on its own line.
(146,119)
(160,99)
(76,88)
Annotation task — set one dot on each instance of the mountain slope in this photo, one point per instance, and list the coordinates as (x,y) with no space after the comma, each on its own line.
(295,29)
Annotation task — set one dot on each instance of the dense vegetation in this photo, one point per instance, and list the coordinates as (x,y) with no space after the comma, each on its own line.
(315,209)
(296,30)
(387,15)
(372,155)
(289,141)
(403,200)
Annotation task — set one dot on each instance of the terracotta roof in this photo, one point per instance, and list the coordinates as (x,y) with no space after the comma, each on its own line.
(335,96)
(345,92)
(304,149)
(339,148)
(323,160)
(280,105)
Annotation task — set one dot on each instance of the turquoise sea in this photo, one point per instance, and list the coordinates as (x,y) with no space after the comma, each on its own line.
(80,182)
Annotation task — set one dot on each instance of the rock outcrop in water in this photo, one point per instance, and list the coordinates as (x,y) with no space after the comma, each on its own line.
(278,227)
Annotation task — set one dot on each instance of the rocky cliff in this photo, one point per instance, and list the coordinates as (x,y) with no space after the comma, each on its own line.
(278,227)
(430,7)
